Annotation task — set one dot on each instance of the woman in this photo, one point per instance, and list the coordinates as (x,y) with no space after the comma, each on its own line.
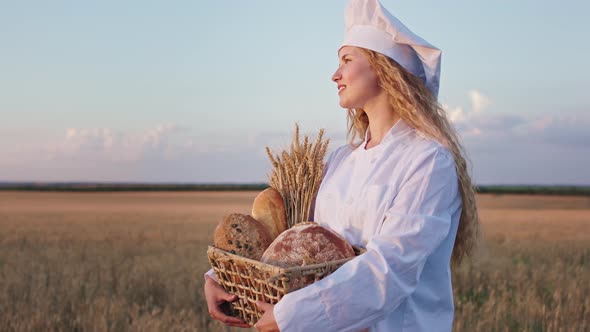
(404,192)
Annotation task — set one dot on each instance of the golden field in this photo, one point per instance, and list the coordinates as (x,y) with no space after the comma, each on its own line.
(134,261)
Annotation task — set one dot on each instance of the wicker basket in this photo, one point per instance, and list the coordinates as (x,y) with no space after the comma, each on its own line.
(253,281)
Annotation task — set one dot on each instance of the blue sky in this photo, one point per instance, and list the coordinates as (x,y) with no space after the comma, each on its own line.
(192,91)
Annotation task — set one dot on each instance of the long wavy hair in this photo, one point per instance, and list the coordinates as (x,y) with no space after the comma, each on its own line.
(416,105)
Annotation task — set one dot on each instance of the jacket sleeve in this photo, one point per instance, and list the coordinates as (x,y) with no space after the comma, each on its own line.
(372,285)
(211,274)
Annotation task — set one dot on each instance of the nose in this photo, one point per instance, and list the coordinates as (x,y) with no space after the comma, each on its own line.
(337,75)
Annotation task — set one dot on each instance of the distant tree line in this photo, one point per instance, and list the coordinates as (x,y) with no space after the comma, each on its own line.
(94,187)
(131,187)
(536,190)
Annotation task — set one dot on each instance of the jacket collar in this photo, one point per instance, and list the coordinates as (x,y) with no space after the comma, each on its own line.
(399,129)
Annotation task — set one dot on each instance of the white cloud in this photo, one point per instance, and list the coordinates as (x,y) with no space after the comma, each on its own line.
(479,101)
(504,148)
(455,114)
(116,146)
(165,152)
(523,148)
(89,139)
(563,129)
(477,121)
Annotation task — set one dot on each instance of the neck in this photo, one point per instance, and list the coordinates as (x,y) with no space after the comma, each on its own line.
(381,118)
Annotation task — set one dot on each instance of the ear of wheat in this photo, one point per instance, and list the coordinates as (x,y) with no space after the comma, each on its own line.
(297,174)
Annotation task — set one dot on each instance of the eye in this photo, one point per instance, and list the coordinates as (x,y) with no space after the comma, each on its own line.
(344,60)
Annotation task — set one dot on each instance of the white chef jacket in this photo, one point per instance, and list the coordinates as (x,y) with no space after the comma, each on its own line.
(400,200)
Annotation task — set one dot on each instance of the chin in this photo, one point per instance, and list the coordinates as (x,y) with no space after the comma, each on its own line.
(344,104)
(348,103)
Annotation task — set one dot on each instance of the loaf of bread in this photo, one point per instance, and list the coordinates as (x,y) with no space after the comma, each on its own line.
(306,244)
(269,210)
(242,235)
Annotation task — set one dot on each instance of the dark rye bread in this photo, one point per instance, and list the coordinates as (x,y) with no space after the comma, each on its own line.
(306,244)
(242,235)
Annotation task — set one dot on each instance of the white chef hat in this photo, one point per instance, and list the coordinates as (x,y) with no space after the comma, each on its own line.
(369,25)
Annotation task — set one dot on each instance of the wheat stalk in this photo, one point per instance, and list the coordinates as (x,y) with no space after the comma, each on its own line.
(297,174)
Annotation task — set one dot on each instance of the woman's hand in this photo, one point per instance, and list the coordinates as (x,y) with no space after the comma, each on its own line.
(215,295)
(267,322)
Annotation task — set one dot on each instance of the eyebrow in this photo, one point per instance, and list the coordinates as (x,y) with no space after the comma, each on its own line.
(343,55)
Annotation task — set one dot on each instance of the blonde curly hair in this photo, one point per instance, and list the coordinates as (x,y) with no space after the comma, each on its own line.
(416,105)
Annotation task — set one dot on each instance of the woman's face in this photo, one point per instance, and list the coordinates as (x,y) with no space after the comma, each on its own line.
(356,81)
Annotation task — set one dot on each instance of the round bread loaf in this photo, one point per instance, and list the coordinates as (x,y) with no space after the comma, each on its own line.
(306,244)
(269,210)
(242,235)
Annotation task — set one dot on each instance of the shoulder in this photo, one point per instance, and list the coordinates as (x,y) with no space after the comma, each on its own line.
(339,153)
(421,147)
(422,156)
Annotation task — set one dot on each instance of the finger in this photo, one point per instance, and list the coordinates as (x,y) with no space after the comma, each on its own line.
(264,306)
(229,320)
(233,321)
(258,325)
(223,295)
(228,297)
(261,324)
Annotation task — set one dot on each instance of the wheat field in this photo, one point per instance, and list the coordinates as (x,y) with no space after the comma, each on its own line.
(134,262)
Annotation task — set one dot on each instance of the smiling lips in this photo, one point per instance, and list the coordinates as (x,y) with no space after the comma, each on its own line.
(341,87)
